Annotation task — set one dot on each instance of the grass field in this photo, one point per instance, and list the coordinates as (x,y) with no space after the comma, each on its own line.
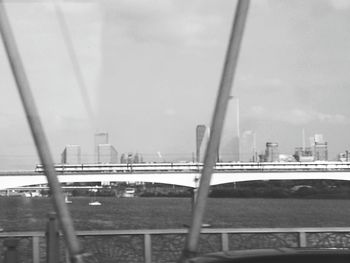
(24,214)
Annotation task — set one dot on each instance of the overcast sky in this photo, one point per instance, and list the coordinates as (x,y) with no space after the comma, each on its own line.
(152,69)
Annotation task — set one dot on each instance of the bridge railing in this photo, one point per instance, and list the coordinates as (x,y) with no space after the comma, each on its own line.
(165,245)
(187,167)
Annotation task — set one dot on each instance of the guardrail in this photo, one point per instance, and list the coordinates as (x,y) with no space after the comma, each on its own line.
(187,167)
(165,245)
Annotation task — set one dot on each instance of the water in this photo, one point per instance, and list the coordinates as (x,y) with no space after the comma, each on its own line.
(30,214)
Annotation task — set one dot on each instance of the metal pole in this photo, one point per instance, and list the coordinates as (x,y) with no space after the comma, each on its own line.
(38,135)
(52,240)
(216,128)
(11,253)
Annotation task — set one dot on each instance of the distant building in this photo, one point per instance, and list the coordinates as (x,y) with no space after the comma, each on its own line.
(261,157)
(230,147)
(123,158)
(236,149)
(100,138)
(202,137)
(286,158)
(318,150)
(131,158)
(319,147)
(71,154)
(106,153)
(344,157)
(138,158)
(304,155)
(321,151)
(318,138)
(271,152)
(248,147)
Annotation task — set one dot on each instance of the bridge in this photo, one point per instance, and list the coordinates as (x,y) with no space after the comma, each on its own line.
(183,174)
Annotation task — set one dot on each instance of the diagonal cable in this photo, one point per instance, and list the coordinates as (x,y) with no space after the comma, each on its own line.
(217,123)
(38,134)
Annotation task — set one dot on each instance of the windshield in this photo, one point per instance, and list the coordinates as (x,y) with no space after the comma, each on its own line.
(126,91)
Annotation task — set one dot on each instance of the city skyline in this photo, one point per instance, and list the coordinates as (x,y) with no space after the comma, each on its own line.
(248,151)
(152,72)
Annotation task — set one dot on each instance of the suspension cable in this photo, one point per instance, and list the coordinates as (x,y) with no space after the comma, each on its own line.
(38,134)
(217,123)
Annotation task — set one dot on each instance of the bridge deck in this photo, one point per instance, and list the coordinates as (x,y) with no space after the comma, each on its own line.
(185,174)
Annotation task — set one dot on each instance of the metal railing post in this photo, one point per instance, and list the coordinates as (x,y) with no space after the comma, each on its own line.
(11,253)
(224,242)
(148,248)
(52,240)
(302,239)
(36,249)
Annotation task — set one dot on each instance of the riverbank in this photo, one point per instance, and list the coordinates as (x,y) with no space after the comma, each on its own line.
(305,189)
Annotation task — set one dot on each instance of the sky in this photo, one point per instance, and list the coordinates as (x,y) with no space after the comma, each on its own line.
(152,69)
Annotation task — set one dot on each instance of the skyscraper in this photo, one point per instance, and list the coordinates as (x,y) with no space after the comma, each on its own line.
(106,153)
(71,154)
(100,138)
(321,151)
(320,148)
(230,140)
(248,146)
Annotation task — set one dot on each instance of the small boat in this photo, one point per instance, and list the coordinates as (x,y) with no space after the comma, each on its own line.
(129,192)
(95,203)
(66,200)
(93,200)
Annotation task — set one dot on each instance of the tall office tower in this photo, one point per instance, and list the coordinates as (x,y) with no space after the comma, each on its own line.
(230,140)
(248,147)
(319,147)
(271,152)
(321,151)
(106,153)
(100,138)
(202,137)
(71,154)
